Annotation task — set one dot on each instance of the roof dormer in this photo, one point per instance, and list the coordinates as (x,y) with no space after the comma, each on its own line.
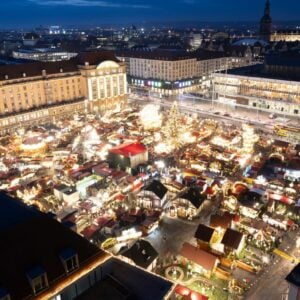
(37,278)
(69,258)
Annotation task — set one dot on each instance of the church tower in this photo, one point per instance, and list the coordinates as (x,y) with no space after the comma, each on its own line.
(265,29)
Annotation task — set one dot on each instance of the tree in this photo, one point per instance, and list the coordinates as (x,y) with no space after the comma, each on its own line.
(172,128)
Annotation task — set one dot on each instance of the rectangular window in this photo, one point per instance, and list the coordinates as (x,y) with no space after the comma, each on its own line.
(69,259)
(38,279)
(71,263)
(39,283)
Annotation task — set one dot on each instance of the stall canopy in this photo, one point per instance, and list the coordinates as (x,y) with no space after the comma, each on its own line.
(281,198)
(188,294)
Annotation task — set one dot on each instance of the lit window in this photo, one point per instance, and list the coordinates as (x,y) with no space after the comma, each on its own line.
(38,279)
(69,259)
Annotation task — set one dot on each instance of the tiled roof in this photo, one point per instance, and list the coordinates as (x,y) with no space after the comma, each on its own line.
(198,256)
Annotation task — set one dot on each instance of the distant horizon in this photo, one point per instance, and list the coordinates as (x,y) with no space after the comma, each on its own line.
(83,13)
(171,24)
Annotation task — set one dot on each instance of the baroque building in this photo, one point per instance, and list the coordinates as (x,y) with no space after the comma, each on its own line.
(42,91)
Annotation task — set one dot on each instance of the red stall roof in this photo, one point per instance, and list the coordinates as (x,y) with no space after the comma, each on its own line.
(130,149)
(189,294)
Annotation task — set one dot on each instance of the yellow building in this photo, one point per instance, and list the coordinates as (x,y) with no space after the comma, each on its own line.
(40,91)
(285,35)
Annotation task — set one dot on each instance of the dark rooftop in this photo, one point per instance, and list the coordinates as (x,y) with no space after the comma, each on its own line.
(259,71)
(250,199)
(170,55)
(157,54)
(108,288)
(9,72)
(294,276)
(30,240)
(157,188)
(285,58)
(194,196)
(13,212)
(223,221)
(232,238)
(95,57)
(204,233)
(35,68)
(141,284)
(141,253)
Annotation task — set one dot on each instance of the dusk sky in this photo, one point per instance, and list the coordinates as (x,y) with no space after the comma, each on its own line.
(16,13)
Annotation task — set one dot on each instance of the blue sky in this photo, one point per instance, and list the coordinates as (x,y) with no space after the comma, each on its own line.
(16,13)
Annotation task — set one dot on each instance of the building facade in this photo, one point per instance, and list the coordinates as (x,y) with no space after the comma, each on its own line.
(167,72)
(43,91)
(259,92)
(285,35)
(43,54)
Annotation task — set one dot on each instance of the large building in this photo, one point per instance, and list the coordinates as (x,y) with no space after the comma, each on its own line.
(42,91)
(266,33)
(43,54)
(285,35)
(272,87)
(172,72)
(40,258)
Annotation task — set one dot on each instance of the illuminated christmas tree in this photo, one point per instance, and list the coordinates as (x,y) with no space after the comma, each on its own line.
(172,128)
(175,132)
(249,138)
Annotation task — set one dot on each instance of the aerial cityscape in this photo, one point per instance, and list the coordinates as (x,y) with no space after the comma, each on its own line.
(150,150)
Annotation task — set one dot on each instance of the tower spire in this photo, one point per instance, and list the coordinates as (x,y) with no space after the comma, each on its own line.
(266,22)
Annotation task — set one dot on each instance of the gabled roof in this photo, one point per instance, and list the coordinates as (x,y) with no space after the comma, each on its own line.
(223,221)
(294,276)
(129,149)
(157,188)
(204,233)
(194,196)
(198,256)
(232,238)
(142,253)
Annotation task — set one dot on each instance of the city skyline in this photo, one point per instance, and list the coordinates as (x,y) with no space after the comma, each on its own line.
(17,13)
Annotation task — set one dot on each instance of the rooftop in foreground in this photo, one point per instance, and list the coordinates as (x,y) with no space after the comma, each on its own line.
(294,276)
(32,241)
